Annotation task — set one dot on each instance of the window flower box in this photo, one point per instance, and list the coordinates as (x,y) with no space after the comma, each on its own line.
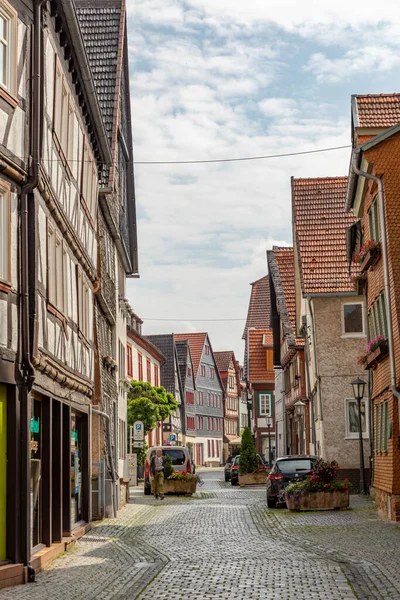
(371,258)
(376,356)
(376,351)
(369,255)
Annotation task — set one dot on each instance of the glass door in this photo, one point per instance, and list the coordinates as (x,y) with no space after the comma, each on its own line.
(76,469)
(3,471)
(36,473)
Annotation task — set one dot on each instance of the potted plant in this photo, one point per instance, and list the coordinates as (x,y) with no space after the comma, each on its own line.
(176,482)
(321,490)
(358,282)
(369,254)
(250,470)
(375,351)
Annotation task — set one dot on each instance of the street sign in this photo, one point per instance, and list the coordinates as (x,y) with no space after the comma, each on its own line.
(138,431)
(138,444)
(172,437)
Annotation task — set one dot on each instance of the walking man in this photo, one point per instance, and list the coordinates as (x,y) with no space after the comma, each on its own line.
(157,471)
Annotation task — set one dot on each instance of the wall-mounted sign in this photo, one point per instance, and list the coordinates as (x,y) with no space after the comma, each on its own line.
(138,431)
(35,425)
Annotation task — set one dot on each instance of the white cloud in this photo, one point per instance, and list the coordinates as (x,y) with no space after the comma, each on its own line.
(278,107)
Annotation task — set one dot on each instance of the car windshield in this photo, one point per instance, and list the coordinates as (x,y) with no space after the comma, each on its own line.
(177,456)
(295,465)
(236,462)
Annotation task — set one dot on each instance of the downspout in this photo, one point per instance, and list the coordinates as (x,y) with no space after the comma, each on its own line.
(320,411)
(28,371)
(110,457)
(388,306)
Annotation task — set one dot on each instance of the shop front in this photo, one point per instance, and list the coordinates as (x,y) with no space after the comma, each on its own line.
(3,472)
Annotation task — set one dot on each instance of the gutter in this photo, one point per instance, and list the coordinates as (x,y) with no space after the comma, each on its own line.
(86,74)
(110,457)
(388,307)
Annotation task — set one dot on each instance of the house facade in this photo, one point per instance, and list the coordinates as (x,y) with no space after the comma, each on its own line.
(228,368)
(186,370)
(372,197)
(291,401)
(333,319)
(209,401)
(171,380)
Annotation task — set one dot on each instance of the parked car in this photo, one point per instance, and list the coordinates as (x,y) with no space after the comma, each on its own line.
(286,470)
(227,469)
(235,469)
(180,459)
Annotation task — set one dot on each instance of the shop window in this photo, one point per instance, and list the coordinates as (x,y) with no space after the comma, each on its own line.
(351,418)
(5,217)
(373,221)
(8,48)
(353,319)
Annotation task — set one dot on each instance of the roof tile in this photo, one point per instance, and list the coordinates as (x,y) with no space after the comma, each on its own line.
(378,110)
(257,355)
(196,344)
(258,314)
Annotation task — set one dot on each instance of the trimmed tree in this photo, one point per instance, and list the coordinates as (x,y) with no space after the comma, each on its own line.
(149,404)
(248,462)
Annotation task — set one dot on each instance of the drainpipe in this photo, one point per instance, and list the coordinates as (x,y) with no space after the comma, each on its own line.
(27,369)
(319,399)
(357,171)
(110,457)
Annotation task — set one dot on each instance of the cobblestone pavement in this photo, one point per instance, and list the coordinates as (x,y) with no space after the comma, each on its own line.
(225,544)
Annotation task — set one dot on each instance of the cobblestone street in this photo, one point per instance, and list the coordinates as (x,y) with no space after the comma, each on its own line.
(226,544)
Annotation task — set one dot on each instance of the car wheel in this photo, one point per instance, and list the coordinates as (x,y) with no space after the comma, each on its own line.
(271,503)
(226,477)
(147,487)
(233,482)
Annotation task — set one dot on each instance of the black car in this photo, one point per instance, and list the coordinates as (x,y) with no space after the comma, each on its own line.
(228,466)
(286,470)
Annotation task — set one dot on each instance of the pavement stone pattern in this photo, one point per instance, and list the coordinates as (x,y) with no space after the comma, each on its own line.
(224,543)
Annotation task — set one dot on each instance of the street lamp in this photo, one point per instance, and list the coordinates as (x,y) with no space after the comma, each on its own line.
(269,425)
(358,391)
(299,409)
(249,407)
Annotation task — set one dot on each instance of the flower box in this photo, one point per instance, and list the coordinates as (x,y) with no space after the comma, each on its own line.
(177,487)
(376,356)
(370,259)
(253,478)
(319,500)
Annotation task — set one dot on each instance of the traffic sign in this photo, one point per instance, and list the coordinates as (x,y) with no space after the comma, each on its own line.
(138,431)
(172,437)
(138,444)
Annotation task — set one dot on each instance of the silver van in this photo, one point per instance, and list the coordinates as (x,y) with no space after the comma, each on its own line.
(180,459)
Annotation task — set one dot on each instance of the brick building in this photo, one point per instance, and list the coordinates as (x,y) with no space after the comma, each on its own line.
(228,368)
(292,426)
(376,145)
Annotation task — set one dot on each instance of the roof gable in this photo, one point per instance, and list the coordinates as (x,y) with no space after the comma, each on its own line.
(258,314)
(197,342)
(375,110)
(320,224)
(257,355)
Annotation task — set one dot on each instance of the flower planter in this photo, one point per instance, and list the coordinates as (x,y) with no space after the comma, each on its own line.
(376,356)
(253,478)
(177,487)
(370,259)
(321,500)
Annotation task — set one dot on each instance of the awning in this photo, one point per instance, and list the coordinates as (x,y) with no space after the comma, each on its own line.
(232,439)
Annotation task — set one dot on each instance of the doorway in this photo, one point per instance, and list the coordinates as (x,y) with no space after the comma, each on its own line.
(3,471)
(76,468)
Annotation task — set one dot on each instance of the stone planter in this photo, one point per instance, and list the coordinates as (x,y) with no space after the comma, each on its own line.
(376,356)
(322,500)
(177,487)
(253,478)
(370,259)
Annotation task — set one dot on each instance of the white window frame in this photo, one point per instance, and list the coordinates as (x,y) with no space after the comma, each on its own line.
(84,298)
(354,435)
(5,234)
(353,334)
(265,413)
(10,17)
(56,275)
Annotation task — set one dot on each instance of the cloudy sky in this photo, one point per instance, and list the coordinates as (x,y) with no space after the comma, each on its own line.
(216,79)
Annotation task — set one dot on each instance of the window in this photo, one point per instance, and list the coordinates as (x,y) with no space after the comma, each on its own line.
(203,370)
(121,357)
(382,427)
(201,398)
(148,370)
(8,48)
(140,366)
(208,399)
(209,448)
(89,182)
(377,319)
(63,110)
(269,359)
(208,424)
(212,372)
(72,126)
(156,376)
(56,259)
(190,424)
(351,418)
(373,220)
(129,359)
(189,397)
(207,349)
(83,304)
(5,241)
(217,448)
(122,439)
(264,404)
(189,372)
(295,372)
(287,380)
(353,319)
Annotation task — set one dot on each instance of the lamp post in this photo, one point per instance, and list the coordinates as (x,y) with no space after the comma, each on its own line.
(249,407)
(299,408)
(269,425)
(358,391)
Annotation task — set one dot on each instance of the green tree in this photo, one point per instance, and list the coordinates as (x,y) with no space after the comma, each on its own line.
(248,462)
(149,404)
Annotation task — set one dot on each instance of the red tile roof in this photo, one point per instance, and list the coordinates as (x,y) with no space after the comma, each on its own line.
(223,360)
(196,345)
(376,110)
(320,234)
(257,355)
(258,314)
(285,262)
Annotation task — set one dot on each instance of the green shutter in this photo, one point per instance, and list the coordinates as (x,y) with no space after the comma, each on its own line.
(371,224)
(379,315)
(385,326)
(376,219)
(386,437)
(380,427)
(376,428)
